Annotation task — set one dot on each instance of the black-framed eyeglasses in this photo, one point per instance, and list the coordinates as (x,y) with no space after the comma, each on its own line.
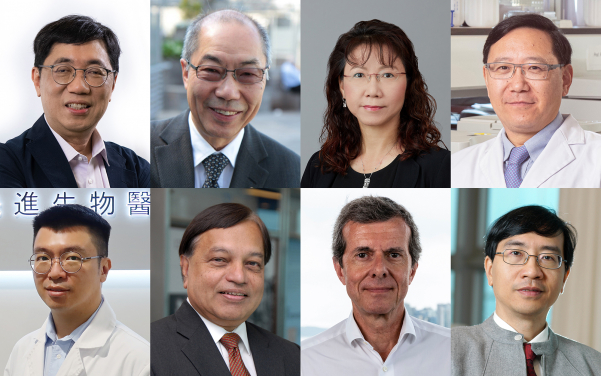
(532,71)
(71,262)
(64,74)
(214,73)
(519,257)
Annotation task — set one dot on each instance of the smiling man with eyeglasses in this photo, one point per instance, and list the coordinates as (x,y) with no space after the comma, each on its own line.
(75,70)
(529,255)
(81,335)
(225,66)
(527,70)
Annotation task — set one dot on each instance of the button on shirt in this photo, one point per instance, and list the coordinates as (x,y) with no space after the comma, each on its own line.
(202,149)
(535,145)
(422,349)
(56,349)
(217,332)
(541,337)
(88,174)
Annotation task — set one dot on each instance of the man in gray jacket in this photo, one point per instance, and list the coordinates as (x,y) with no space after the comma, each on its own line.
(534,251)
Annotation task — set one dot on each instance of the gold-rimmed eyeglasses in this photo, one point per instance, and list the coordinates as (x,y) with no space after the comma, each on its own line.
(214,73)
(64,74)
(519,257)
(531,71)
(71,262)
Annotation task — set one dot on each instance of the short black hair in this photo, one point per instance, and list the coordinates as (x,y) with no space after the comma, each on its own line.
(223,215)
(75,29)
(533,218)
(60,217)
(561,46)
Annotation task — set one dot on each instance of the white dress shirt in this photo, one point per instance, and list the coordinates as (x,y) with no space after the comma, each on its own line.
(541,337)
(88,174)
(217,332)
(422,349)
(201,149)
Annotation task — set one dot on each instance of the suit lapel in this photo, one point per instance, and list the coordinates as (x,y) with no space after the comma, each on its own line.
(49,156)
(248,172)
(176,172)
(119,176)
(491,164)
(267,361)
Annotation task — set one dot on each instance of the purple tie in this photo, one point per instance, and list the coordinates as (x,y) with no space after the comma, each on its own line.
(513,178)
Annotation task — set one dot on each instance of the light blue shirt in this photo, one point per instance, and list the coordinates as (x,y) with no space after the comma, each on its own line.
(57,349)
(534,145)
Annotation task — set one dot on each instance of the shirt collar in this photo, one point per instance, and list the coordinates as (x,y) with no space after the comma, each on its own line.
(74,335)
(536,143)
(201,149)
(540,337)
(98,146)
(353,333)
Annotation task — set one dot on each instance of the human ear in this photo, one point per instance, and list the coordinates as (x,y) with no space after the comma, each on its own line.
(184,263)
(488,269)
(339,270)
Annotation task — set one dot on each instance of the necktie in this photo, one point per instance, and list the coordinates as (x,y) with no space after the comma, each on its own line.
(230,341)
(530,355)
(214,165)
(513,178)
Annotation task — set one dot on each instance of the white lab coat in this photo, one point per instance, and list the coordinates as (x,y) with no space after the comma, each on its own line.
(106,348)
(571,159)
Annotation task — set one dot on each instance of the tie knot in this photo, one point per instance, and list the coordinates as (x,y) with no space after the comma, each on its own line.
(518,155)
(230,340)
(214,165)
(530,355)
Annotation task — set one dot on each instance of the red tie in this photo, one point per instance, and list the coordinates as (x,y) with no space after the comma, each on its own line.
(230,341)
(530,356)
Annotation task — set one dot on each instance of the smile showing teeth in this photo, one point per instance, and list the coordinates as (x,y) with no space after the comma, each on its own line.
(233,293)
(228,113)
(77,106)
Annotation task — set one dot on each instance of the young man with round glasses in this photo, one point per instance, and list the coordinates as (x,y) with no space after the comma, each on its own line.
(81,335)
(75,70)
(529,255)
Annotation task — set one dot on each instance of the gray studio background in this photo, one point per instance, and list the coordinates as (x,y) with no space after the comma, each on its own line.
(426,23)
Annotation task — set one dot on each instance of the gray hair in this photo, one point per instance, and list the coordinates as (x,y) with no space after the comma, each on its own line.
(370,209)
(191,41)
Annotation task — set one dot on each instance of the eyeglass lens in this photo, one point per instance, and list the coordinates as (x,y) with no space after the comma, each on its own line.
(70,261)
(545,260)
(64,74)
(506,70)
(243,75)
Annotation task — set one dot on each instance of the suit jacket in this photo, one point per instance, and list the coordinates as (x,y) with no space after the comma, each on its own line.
(261,163)
(35,160)
(428,170)
(181,345)
(571,159)
(488,350)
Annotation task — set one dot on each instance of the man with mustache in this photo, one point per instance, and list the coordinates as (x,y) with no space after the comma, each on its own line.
(529,253)
(527,71)
(376,252)
(81,335)
(222,254)
(225,63)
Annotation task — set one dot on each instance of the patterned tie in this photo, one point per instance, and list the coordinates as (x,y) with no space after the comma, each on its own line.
(513,178)
(230,341)
(530,355)
(214,165)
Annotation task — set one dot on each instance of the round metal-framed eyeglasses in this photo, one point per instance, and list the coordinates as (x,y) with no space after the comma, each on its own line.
(71,262)
(519,257)
(64,74)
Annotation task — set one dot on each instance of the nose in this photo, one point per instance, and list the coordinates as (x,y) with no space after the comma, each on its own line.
(228,89)
(379,267)
(531,269)
(373,87)
(79,84)
(236,273)
(519,82)
(56,272)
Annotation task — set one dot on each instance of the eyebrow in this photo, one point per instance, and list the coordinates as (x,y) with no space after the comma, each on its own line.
(215,59)
(507,59)
(89,62)
(223,250)
(522,244)
(368,249)
(73,248)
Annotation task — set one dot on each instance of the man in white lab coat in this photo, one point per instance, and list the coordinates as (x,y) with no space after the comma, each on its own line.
(81,336)
(527,71)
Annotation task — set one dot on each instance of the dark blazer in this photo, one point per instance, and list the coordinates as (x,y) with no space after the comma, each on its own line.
(428,170)
(181,345)
(261,163)
(35,160)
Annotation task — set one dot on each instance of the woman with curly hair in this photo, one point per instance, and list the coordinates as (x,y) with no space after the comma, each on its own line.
(379,129)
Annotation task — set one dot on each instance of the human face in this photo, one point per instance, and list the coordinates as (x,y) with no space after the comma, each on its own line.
(376,267)
(66,121)
(221,109)
(526,292)
(225,274)
(375,104)
(70,293)
(526,106)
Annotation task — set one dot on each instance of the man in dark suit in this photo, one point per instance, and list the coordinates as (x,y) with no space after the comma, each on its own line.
(63,149)
(223,253)
(212,145)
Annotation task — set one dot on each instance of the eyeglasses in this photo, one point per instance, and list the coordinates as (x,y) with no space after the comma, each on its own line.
(383,78)
(537,71)
(70,262)
(64,74)
(213,73)
(519,257)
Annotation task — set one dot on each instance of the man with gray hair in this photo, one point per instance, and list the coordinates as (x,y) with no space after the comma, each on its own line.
(376,250)
(212,145)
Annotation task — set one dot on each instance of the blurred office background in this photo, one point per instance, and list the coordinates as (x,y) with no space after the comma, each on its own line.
(172,211)
(127,288)
(325,301)
(577,313)
(279,115)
